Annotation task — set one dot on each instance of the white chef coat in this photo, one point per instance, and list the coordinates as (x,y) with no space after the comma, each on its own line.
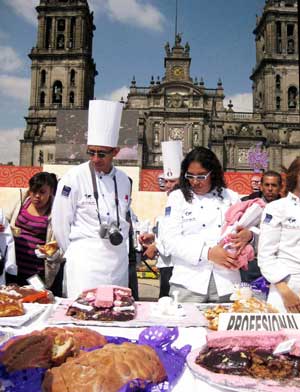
(164,258)
(279,243)
(91,260)
(7,249)
(191,229)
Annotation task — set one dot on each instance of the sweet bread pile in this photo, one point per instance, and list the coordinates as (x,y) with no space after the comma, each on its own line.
(47,348)
(251,305)
(49,248)
(10,306)
(105,303)
(27,294)
(106,369)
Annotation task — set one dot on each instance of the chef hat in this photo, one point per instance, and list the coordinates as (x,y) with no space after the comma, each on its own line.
(104,123)
(172,157)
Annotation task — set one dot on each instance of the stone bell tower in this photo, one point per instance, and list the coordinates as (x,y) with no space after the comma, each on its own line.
(275,76)
(62,74)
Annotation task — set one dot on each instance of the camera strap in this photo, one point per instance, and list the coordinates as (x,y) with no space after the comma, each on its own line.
(96,194)
(95,190)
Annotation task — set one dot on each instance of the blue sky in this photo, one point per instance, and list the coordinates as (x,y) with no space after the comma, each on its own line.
(129,40)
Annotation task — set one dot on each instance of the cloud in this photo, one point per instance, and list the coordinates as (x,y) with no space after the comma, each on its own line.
(9,59)
(10,145)
(117,94)
(25,9)
(15,87)
(242,102)
(132,12)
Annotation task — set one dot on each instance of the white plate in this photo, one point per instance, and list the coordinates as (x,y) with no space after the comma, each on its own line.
(233,382)
(31,310)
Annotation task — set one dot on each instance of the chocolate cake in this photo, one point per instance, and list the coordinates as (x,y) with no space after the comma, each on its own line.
(250,362)
(105,303)
(246,360)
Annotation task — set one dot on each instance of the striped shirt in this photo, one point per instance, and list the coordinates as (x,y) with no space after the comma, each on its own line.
(33,233)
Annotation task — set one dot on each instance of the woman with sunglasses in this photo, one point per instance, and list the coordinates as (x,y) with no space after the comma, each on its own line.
(203,270)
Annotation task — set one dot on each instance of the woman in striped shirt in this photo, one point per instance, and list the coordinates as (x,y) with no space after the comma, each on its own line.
(31,225)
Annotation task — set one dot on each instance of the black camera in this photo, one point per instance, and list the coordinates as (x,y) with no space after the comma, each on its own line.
(111,232)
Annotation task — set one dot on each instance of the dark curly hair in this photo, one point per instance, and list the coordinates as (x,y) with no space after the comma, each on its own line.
(210,162)
(292,175)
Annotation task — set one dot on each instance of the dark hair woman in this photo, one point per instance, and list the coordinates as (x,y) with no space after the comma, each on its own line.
(279,245)
(31,225)
(203,270)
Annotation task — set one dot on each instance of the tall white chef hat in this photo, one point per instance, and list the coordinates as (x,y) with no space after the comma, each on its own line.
(104,123)
(172,157)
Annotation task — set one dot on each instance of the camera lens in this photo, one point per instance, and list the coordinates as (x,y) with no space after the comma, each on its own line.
(115,237)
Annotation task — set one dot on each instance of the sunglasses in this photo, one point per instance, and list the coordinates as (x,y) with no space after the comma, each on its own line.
(198,177)
(99,154)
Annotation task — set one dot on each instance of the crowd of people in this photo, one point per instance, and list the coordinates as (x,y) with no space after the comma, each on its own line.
(88,212)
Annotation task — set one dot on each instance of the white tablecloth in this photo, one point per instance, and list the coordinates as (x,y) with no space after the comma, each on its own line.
(195,336)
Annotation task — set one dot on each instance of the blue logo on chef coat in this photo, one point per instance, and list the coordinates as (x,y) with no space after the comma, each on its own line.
(292,220)
(168,211)
(66,191)
(268,218)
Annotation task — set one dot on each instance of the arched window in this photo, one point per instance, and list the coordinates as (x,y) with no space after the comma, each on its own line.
(42,99)
(72,98)
(57,92)
(292,97)
(278,82)
(43,77)
(278,103)
(60,42)
(72,77)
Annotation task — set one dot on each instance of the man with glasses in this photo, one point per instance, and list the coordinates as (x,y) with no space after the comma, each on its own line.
(90,208)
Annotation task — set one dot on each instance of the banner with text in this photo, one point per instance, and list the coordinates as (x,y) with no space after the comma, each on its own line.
(258,321)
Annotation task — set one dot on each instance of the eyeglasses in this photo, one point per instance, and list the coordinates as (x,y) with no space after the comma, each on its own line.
(99,154)
(198,177)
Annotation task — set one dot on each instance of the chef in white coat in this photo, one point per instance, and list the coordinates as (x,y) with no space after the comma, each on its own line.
(89,210)
(279,245)
(172,158)
(203,270)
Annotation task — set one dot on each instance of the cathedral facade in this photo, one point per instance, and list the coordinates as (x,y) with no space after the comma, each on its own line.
(174,107)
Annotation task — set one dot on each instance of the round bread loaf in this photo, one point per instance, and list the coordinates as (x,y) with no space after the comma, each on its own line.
(106,369)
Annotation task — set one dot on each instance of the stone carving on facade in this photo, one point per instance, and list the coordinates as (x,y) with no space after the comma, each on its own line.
(178,39)
(176,133)
(175,101)
(243,156)
(196,139)
(284,136)
(245,130)
(167,49)
(156,141)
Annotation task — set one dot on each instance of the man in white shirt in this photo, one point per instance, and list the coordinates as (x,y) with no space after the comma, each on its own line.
(90,207)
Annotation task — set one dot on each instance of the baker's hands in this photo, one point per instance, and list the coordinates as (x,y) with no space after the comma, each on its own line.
(151,251)
(240,239)
(145,239)
(222,257)
(290,299)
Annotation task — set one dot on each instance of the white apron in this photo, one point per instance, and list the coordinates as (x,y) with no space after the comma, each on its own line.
(85,270)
